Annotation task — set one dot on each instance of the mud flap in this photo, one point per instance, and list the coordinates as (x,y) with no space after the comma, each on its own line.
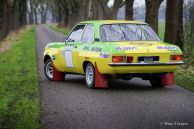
(167,79)
(57,76)
(101,81)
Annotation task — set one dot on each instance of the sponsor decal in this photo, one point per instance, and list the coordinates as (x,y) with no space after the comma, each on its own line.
(168,48)
(86,48)
(104,55)
(142,44)
(126,48)
(96,49)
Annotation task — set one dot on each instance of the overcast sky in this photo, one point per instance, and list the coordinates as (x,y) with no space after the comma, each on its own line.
(136,2)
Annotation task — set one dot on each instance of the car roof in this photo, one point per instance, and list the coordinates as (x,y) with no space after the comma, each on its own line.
(111,22)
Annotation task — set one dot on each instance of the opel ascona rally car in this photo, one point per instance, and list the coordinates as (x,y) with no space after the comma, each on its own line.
(120,49)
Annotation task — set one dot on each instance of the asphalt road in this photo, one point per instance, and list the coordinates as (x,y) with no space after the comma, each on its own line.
(125,105)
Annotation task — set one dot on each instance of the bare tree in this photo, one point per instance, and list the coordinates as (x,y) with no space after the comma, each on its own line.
(152,9)
(129,9)
(12,16)
(189,26)
(174,22)
(110,12)
(34,4)
(30,12)
(43,8)
(191,17)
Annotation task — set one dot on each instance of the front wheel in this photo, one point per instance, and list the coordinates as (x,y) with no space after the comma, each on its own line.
(51,72)
(90,75)
(48,70)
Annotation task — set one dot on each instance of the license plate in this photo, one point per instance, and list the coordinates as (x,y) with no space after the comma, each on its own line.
(148,59)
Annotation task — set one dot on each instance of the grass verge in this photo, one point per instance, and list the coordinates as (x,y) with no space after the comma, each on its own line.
(65,31)
(184,77)
(161,29)
(19,90)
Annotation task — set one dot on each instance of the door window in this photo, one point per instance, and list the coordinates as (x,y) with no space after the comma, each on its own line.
(88,35)
(76,34)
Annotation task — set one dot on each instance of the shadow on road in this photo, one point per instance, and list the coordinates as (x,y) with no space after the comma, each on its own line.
(114,84)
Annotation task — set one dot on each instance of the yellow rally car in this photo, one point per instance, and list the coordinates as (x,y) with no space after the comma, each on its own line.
(102,49)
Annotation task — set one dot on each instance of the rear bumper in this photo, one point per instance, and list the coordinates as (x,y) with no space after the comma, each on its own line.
(125,68)
(146,64)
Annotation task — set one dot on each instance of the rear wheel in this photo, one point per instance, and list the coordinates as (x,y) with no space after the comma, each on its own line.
(156,81)
(90,76)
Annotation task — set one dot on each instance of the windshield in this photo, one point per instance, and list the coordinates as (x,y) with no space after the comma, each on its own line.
(127,32)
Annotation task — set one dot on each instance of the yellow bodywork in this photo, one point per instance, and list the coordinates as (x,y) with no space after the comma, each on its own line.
(80,56)
(100,53)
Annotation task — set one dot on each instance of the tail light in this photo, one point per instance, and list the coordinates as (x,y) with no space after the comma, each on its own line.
(118,59)
(176,57)
(129,59)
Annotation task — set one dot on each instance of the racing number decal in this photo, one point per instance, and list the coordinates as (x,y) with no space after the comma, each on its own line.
(67,54)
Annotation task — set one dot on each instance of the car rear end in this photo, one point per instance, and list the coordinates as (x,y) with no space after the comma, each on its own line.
(136,51)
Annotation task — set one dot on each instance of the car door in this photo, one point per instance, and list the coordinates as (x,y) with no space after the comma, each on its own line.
(72,42)
(86,42)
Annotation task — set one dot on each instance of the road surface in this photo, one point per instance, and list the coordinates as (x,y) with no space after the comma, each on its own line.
(125,105)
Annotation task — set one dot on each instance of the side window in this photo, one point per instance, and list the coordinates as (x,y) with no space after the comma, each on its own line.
(88,35)
(76,34)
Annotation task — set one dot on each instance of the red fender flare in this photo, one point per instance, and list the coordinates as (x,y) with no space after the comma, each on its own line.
(101,81)
(57,76)
(167,79)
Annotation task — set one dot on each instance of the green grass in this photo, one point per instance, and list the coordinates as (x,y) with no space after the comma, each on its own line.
(19,90)
(65,31)
(185,78)
(161,29)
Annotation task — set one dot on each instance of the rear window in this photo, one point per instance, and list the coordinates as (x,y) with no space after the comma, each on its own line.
(127,32)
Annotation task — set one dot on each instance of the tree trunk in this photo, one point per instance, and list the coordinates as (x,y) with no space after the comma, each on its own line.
(30,13)
(152,9)
(192,26)
(3,28)
(22,12)
(35,16)
(31,18)
(12,16)
(110,13)
(90,11)
(180,35)
(6,14)
(129,9)
(174,22)
(83,10)
(97,13)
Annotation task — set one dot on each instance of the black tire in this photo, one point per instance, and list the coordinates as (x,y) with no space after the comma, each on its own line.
(90,79)
(156,81)
(47,64)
